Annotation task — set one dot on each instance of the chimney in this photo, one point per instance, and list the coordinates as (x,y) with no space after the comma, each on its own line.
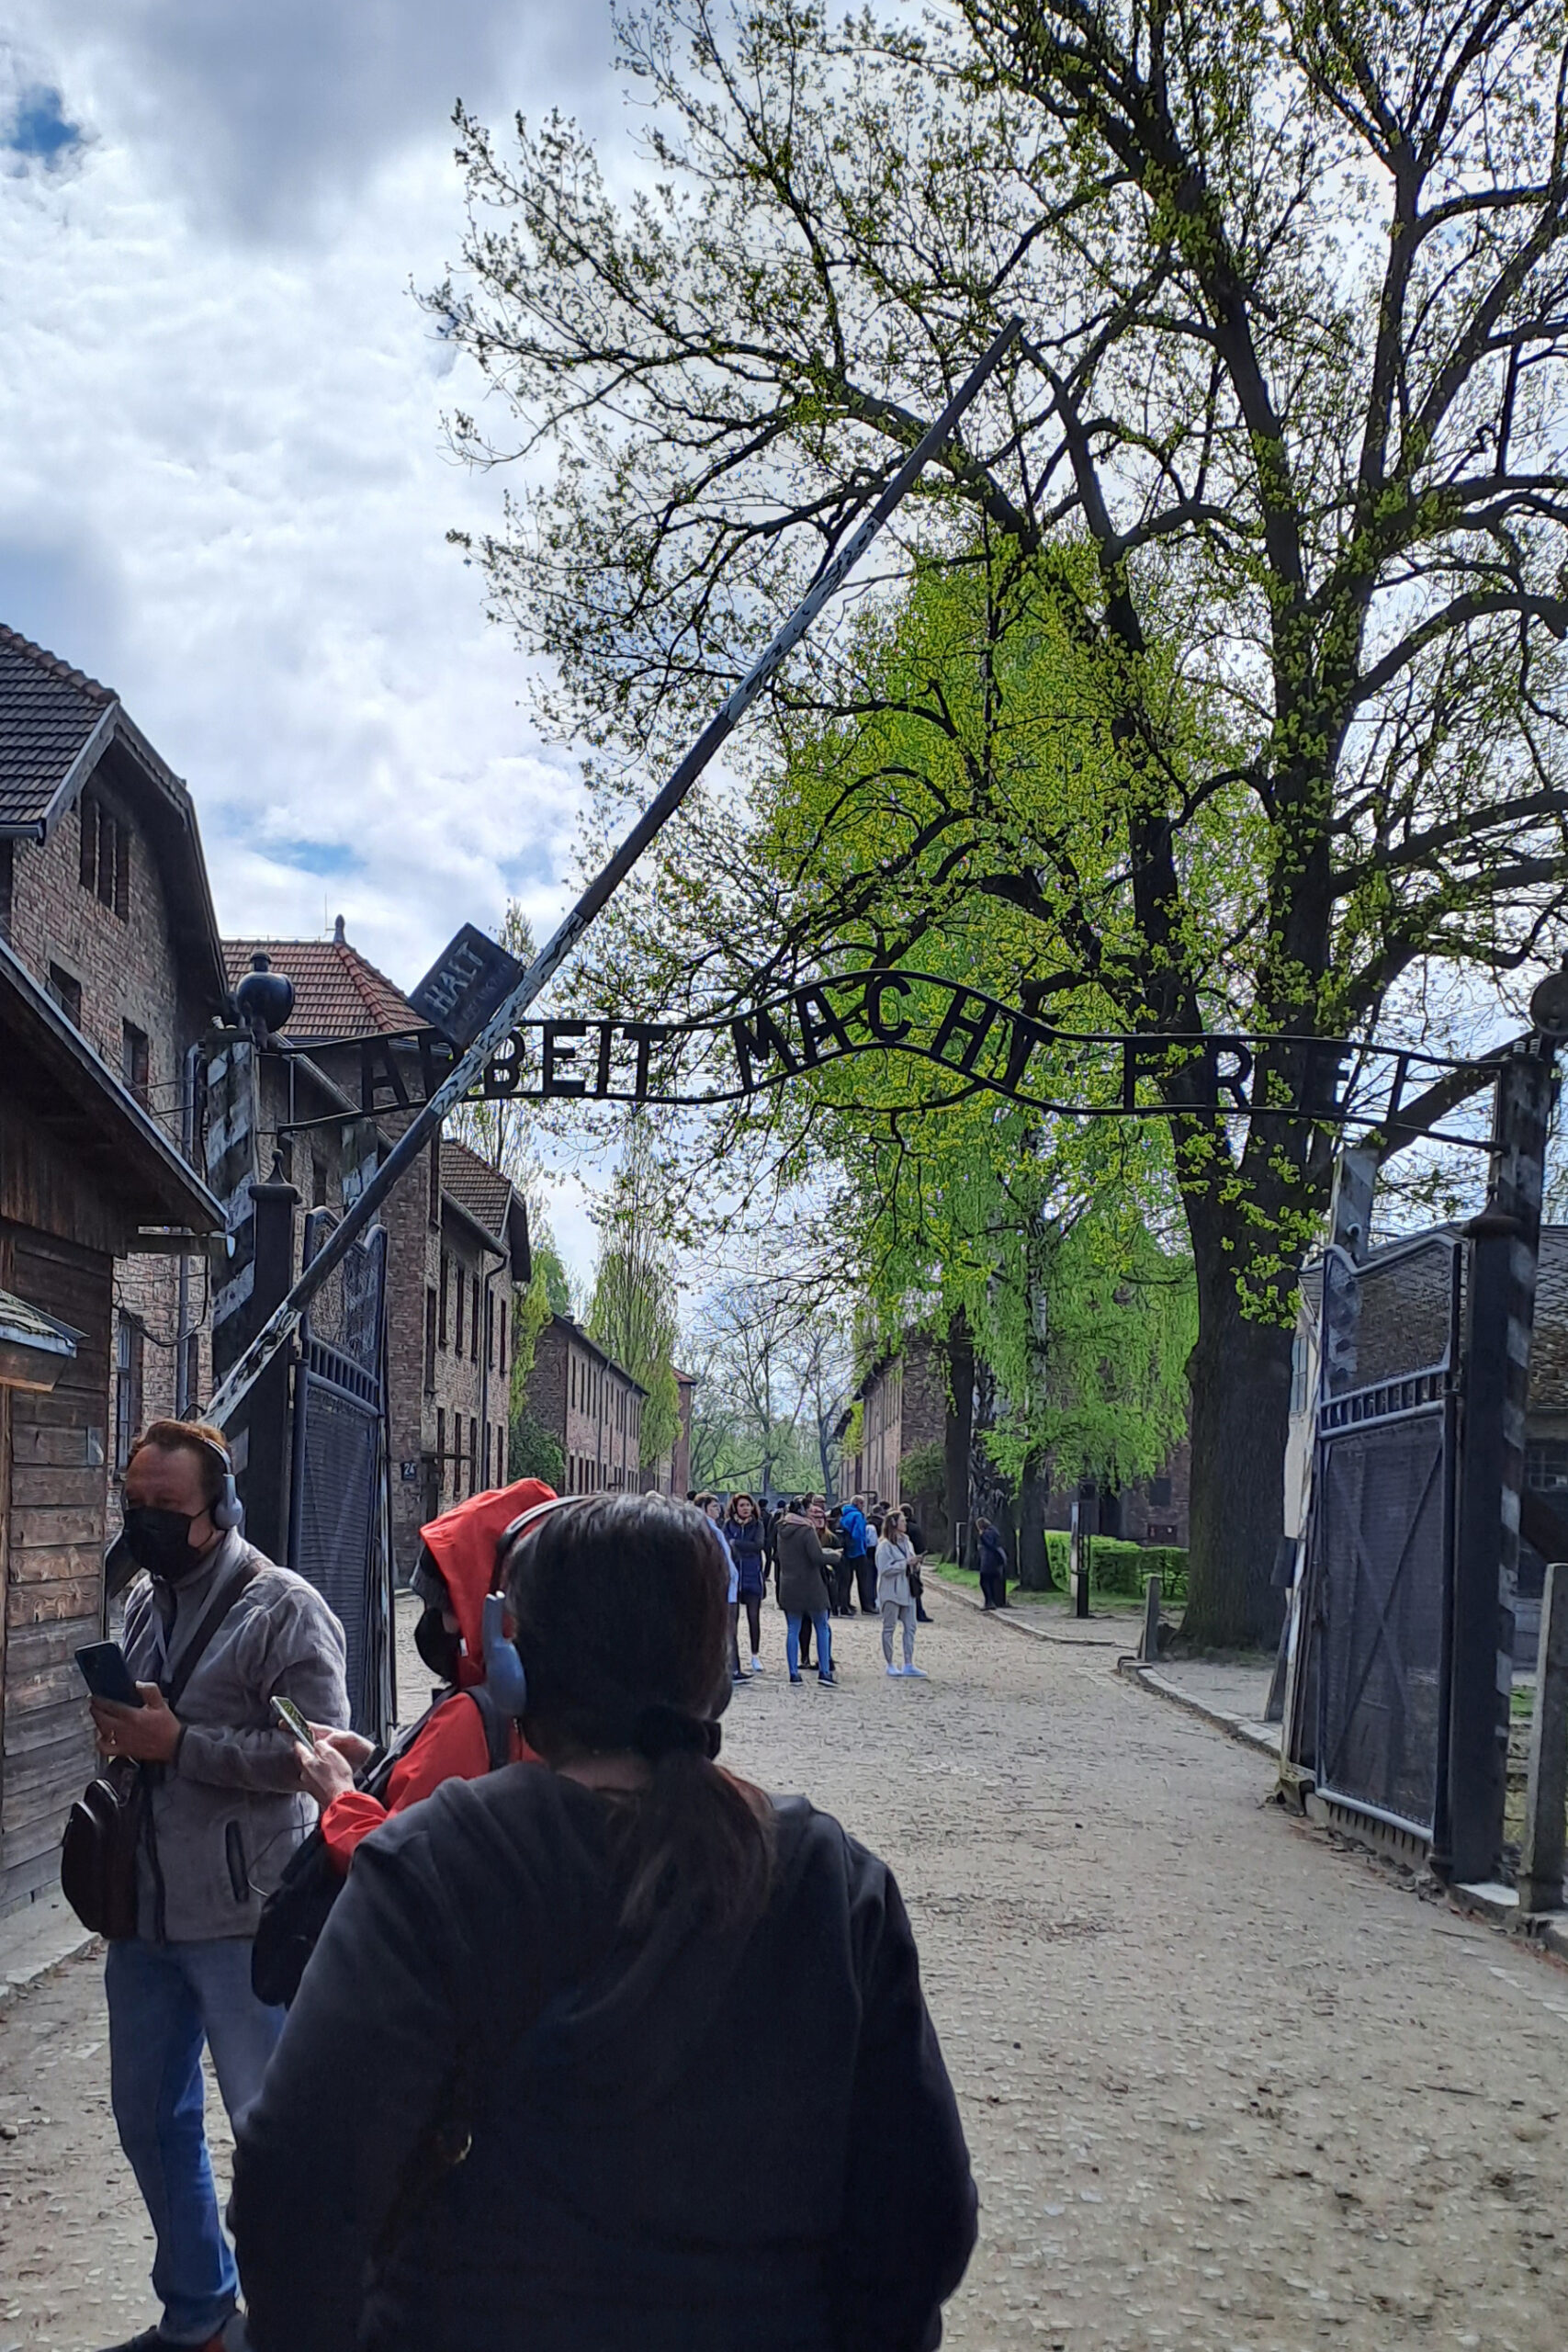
(338,939)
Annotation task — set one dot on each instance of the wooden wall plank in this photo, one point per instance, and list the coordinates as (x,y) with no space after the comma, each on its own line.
(52,1563)
(32,1840)
(71,1598)
(30,1648)
(33,1530)
(45,1726)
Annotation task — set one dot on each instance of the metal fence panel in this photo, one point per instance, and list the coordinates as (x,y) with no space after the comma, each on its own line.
(337,1524)
(1382,1530)
(1380,1537)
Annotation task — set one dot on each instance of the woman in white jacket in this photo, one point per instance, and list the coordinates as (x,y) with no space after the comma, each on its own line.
(895,1557)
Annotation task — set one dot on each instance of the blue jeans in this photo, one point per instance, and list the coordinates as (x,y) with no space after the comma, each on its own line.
(165,2001)
(820,1620)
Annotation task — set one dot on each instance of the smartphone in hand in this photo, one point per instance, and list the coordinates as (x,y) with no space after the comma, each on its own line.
(288,1718)
(103,1670)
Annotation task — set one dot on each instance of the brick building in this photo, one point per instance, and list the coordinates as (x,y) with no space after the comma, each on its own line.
(904,1415)
(109,971)
(104,899)
(592,1409)
(457,1231)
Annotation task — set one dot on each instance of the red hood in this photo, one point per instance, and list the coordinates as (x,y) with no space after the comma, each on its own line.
(462,1544)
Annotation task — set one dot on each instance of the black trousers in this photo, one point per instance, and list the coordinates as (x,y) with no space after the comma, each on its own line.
(992,1588)
(866,1578)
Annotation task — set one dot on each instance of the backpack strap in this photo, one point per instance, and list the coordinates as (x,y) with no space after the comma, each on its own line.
(212,1617)
(497,1723)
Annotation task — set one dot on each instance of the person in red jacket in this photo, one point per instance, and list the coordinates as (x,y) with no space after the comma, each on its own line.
(457,1568)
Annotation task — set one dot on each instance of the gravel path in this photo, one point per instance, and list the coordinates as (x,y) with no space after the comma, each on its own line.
(1225,2085)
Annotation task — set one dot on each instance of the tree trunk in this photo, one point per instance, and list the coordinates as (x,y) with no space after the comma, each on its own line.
(958,1433)
(1034,1562)
(1240,1377)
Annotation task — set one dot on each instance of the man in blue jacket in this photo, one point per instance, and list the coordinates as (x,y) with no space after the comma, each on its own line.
(854,1538)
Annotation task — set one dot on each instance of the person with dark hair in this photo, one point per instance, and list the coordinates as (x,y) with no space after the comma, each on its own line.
(213,1631)
(713,1511)
(894,1561)
(460,1737)
(743,1534)
(993,1565)
(855,1568)
(804,1572)
(505,2107)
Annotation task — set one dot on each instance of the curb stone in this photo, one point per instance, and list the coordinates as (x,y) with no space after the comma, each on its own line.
(1014,1619)
(1265,1743)
(36,1941)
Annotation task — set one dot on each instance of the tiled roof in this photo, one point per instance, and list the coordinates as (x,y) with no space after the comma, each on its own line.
(338,992)
(476,1187)
(47,712)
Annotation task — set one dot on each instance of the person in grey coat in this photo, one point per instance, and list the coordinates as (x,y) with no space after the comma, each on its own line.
(226,1811)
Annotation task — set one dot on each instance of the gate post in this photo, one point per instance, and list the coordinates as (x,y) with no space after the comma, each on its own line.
(267,1458)
(1504,1245)
(1541,1861)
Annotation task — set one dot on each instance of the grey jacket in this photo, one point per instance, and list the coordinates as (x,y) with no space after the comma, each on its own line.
(229,1812)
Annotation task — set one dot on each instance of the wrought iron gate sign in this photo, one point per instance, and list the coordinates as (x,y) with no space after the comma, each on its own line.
(979,1042)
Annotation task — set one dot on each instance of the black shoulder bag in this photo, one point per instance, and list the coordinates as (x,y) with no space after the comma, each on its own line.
(106,1826)
(298,1908)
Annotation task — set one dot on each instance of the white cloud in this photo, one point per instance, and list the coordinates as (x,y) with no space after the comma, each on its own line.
(227,490)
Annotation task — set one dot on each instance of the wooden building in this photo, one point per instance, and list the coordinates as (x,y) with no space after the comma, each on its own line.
(110,970)
(87,1178)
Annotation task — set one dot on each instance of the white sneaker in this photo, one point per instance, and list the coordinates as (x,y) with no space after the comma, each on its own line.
(897,1672)
(919,1672)
(756,1666)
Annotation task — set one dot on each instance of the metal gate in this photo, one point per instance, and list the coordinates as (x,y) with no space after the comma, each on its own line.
(339,1522)
(1381,1544)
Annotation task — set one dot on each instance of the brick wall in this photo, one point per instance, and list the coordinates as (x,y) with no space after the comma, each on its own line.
(591,1408)
(126,968)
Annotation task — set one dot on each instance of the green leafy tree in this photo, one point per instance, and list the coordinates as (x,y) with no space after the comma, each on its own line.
(1293,282)
(632,1311)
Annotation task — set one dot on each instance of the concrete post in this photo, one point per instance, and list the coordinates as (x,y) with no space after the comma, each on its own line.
(1148,1648)
(1546,1803)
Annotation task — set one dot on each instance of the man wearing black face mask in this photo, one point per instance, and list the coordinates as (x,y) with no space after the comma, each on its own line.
(226,1810)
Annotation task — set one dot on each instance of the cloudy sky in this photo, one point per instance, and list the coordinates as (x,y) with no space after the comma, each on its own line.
(225,490)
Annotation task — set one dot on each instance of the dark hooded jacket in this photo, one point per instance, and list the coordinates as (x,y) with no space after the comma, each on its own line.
(473,1978)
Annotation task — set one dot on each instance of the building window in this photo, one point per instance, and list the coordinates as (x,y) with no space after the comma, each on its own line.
(1298,1375)
(193,1374)
(440,1451)
(129,1350)
(446,1278)
(106,856)
(66,990)
(457,1319)
(456,1457)
(484,1457)
(490,1328)
(501,1363)
(428,1338)
(1159,1493)
(435,1209)
(135,1062)
(1546,1466)
(318,1183)
(474,1456)
(474,1334)
(7,881)
(502,1465)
